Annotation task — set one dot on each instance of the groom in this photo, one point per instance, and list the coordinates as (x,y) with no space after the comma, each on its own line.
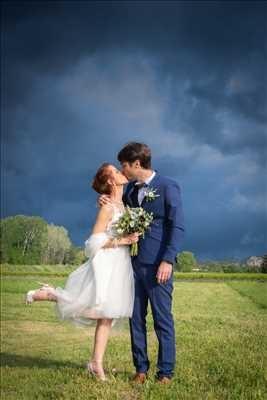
(153,266)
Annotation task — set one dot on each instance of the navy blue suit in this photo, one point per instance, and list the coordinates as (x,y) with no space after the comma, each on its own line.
(161,242)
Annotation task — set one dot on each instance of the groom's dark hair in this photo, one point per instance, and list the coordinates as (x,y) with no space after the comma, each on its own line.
(136,151)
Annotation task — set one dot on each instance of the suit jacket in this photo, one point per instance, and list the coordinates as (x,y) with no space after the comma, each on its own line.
(163,239)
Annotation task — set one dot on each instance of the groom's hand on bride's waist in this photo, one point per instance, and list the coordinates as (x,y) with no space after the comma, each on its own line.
(164,272)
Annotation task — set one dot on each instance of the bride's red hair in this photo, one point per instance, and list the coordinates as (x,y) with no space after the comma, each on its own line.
(100,182)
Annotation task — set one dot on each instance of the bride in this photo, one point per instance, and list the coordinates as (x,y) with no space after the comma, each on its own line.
(101,289)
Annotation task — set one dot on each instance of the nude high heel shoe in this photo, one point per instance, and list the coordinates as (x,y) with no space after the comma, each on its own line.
(98,375)
(29,297)
(30,293)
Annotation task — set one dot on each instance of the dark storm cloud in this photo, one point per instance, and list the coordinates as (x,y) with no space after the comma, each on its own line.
(207,43)
(82,78)
(50,36)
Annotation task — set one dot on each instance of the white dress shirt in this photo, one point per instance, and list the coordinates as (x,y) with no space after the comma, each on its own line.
(142,190)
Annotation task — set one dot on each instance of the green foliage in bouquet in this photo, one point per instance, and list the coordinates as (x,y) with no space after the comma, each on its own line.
(134,220)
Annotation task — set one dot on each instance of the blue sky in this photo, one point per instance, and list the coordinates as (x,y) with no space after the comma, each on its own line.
(81,79)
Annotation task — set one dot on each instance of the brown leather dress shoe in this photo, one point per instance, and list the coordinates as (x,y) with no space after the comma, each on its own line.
(139,377)
(164,380)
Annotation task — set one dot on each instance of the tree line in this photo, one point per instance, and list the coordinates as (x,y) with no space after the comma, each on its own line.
(31,240)
(186,262)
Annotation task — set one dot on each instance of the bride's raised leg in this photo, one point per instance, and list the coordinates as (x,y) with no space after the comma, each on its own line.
(40,295)
(44,295)
(102,332)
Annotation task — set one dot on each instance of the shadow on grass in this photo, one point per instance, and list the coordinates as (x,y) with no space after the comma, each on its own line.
(18,361)
(15,360)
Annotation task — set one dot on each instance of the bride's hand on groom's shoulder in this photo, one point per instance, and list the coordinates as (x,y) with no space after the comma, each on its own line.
(103,199)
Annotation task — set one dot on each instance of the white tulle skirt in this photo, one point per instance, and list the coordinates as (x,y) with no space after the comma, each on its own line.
(102,287)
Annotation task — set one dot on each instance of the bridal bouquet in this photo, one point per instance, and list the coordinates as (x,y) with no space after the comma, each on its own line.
(134,220)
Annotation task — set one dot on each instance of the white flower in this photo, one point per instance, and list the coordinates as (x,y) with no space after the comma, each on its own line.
(150,194)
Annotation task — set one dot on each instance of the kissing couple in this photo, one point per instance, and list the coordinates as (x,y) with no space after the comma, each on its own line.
(112,284)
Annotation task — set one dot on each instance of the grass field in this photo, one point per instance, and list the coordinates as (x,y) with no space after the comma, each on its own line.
(60,270)
(221,337)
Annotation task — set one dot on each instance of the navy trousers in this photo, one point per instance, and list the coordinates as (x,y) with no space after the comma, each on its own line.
(160,298)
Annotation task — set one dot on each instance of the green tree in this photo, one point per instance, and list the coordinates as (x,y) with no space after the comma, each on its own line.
(30,240)
(55,245)
(75,256)
(185,261)
(264,264)
(21,238)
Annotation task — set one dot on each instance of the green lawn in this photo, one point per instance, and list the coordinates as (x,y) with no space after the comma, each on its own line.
(62,271)
(221,335)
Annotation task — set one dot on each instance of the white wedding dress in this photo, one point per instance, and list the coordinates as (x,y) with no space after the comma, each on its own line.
(102,287)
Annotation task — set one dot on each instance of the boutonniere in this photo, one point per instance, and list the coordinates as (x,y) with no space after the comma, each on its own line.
(150,194)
